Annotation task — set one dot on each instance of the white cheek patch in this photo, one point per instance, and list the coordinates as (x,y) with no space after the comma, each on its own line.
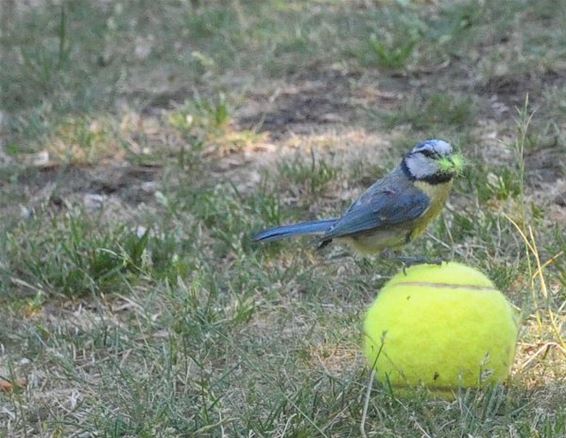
(420,166)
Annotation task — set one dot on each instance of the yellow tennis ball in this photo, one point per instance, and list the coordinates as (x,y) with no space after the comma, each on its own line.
(442,326)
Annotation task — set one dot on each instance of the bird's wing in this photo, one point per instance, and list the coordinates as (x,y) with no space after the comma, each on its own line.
(381,206)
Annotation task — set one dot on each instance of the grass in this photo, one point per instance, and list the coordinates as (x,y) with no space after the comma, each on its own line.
(434,112)
(135,303)
(313,175)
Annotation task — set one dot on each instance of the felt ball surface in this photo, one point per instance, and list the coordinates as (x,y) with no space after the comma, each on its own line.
(442,326)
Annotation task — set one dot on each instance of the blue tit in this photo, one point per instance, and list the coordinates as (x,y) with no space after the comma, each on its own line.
(395,210)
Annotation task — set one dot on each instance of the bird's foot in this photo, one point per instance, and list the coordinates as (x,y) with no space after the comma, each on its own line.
(411,261)
(323,244)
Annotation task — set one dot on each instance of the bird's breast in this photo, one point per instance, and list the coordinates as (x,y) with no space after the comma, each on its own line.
(438,195)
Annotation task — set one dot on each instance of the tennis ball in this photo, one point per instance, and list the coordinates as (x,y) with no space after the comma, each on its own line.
(442,326)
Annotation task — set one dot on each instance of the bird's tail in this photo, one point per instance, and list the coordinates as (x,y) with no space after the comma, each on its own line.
(311,227)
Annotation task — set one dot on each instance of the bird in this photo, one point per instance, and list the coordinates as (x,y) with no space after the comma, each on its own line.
(393,211)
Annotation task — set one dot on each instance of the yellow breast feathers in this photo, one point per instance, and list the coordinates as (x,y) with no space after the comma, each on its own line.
(438,194)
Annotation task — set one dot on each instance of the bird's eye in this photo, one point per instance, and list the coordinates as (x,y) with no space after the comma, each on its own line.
(429,153)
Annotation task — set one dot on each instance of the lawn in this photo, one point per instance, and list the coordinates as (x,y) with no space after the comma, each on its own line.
(142,143)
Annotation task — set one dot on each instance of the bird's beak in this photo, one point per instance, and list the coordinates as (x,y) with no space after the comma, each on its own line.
(451,164)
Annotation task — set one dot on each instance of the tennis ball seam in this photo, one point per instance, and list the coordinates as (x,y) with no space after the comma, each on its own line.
(445,285)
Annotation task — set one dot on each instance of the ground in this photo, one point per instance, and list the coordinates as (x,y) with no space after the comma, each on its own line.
(141,145)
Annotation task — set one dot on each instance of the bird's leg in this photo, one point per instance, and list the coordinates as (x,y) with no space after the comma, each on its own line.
(412,260)
(323,244)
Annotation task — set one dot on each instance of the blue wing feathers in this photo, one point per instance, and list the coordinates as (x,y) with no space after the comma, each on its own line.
(378,211)
(311,227)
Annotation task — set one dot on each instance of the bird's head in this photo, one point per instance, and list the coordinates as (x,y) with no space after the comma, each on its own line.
(432,161)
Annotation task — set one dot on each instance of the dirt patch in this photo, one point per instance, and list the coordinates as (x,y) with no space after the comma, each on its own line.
(545,165)
(314,100)
(546,176)
(118,179)
(511,89)
(305,102)
(118,188)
